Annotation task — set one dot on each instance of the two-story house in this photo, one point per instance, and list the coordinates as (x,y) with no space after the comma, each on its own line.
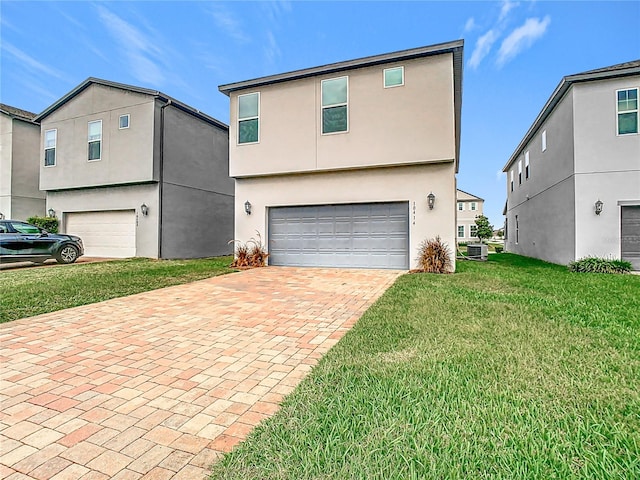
(573,182)
(20,196)
(350,164)
(135,172)
(468,207)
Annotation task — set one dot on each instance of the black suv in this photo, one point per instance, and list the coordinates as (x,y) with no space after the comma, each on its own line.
(23,242)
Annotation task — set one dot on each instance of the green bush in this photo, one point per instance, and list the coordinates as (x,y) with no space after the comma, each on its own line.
(50,224)
(498,248)
(600,265)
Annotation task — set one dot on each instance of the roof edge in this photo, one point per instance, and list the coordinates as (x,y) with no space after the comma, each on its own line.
(471,194)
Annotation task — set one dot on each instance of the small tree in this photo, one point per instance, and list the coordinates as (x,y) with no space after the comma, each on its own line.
(484,230)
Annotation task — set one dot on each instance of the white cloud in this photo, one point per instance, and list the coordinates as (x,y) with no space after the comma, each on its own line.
(482,48)
(226,21)
(507,6)
(271,49)
(470,25)
(30,63)
(522,38)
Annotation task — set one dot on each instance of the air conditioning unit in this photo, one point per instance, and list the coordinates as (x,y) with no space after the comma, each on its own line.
(479,251)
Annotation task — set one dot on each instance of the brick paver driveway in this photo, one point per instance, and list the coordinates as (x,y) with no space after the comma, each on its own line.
(156,385)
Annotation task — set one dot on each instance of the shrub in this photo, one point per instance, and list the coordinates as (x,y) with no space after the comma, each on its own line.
(600,265)
(434,256)
(50,224)
(250,254)
(498,248)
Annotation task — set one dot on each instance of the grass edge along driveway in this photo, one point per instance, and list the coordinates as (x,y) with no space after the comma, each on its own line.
(27,292)
(513,368)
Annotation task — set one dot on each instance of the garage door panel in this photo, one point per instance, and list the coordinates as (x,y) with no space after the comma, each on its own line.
(360,235)
(630,235)
(105,234)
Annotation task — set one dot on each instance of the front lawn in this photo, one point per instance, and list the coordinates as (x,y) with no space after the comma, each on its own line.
(26,292)
(513,368)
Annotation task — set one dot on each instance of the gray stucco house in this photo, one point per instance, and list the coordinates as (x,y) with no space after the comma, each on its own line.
(20,195)
(351,164)
(135,172)
(573,182)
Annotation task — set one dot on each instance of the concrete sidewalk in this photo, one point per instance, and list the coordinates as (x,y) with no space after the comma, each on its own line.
(157,385)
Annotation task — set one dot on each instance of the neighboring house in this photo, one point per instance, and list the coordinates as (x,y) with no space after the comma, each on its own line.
(20,196)
(134,172)
(468,207)
(334,164)
(573,183)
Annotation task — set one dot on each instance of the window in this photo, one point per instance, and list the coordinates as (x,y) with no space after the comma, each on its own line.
(460,206)
(460,231)
(544,140)
(512,180)
(393,77)
(627,111)
(519,172)
(95,140)
(474,206)
(334,105)
(50,138)
(249,118)
(123,122)
(526,165)
(517,230)
(474,231)
(25,228)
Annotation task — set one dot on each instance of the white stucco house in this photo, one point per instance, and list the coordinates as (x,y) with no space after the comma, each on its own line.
(573,182)
(468,208)
(350,164)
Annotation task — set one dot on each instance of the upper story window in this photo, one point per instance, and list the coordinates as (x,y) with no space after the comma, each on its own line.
(95,140)
(393,77)
(526,164)
(123,121)
(460,206)
(335,95)
(512,180)
(249,118)
(544,140)
(519,172)
(474,206)
(50,139)
(627,108)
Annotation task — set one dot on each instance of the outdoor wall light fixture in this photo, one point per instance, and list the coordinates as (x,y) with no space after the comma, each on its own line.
(144,209)
(52,212)
(1,216)
(431,200)
(599,205)
(247,207)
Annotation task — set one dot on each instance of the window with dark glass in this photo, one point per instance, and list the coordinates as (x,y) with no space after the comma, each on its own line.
(249,118)
(627,108)
(50,138)
(335,114)
(95,140)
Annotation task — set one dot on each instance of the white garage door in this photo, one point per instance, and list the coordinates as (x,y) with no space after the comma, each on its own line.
(109,234)
(372,235)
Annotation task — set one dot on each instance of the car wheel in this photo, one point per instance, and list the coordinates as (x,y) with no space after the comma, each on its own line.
(68,254)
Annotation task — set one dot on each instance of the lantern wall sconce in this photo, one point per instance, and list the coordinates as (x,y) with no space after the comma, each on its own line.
(431,200)
(144,209)
(247,207)
(598,206)
(1,216)
(51,212)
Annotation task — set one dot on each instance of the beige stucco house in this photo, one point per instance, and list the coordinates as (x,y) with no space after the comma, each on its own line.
(468,207)
(573,182)
(334,164)
(20,196)
(135,172)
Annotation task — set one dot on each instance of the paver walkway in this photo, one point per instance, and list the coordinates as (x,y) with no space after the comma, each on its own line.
(157,385)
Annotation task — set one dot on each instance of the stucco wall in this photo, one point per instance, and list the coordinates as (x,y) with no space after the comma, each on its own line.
(115,198)
(410,183)
(413,123)
(197,192)
(127,154)
(544,202)
(6,129)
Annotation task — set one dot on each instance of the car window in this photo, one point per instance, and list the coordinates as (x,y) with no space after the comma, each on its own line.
(3,229)
(25,228)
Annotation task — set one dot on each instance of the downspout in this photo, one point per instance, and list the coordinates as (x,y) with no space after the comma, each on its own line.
(161,177)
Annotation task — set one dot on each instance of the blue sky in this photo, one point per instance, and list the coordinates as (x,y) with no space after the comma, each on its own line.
(515,54)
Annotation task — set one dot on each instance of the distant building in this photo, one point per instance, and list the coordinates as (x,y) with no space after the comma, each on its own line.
(135,172)
(468,207)
(573,182)
(20,195)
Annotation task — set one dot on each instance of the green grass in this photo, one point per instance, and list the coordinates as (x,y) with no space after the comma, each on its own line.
(26,292)
(509,369)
